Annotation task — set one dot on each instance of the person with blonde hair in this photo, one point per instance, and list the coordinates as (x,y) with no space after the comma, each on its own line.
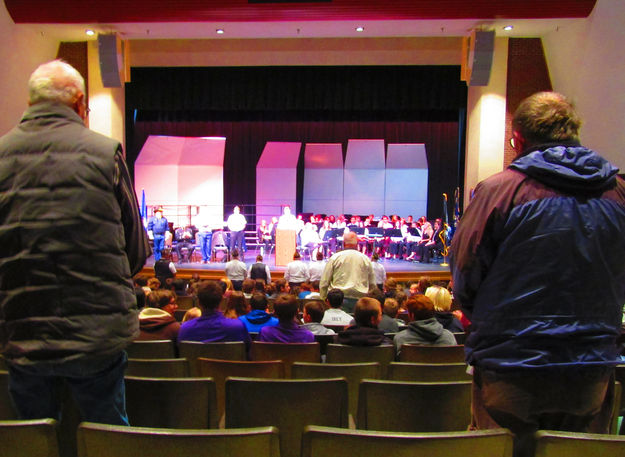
(442,308)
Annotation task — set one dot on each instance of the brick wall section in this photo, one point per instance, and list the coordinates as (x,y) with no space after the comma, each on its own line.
(527,74)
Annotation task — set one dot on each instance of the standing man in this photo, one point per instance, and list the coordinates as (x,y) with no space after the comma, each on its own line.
(350,271)
(205,235)
(235,271)
(72,238)
(538,268)
(236,224)
(157,226)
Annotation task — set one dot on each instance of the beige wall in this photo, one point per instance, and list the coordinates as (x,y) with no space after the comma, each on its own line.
(587,63)
(21,51)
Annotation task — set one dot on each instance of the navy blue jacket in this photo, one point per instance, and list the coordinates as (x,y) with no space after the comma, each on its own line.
(538,262)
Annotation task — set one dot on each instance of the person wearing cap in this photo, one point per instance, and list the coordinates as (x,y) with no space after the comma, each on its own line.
(157,227)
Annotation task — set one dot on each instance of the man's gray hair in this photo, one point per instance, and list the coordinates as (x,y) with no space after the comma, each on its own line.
(55,81)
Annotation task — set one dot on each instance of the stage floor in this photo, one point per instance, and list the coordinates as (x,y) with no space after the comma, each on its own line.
(401,270)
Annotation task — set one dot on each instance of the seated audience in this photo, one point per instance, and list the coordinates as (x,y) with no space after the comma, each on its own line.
(156,320)
(236,305)
(258,317)
(442,308)
(248,287)
(153,284)
(313,314)
(312,292)
(287,330)
(281,287)
(334,315)
(212,325)
(423,327)
(389,322)
(365,332)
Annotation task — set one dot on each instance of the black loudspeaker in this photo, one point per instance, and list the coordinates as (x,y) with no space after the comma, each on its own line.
(111,59)
(478,58)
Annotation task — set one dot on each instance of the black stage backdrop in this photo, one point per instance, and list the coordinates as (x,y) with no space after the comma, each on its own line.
(252,105)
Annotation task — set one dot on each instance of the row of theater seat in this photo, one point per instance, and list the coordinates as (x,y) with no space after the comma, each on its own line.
(38,439)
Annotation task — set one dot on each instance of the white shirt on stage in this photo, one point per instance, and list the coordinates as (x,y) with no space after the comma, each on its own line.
(287,222)
(296,271)
(236,222)
(379,272)
(316,270)
(235,270)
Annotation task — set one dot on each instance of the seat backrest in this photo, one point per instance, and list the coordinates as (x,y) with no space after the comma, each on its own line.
(342,353)
(323,341)
(428,372)
(219,370)
(171,403)
(158,368)
(324,441)
(568,444)
(219,239)
(223,350)
(29,438)
(431,354)
(287,352)
(352,372)
(460,337)
(414,406)
(289,404)
(7,410)
(155,349)
(98,440)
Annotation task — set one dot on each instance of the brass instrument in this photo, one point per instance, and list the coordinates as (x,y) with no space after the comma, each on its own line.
(442,235)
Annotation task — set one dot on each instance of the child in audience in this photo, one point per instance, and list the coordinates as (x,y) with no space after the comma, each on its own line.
(367,315)
(313,313)
(287,331)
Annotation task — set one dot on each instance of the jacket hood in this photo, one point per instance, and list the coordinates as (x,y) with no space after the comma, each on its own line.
(153,319)
(567,167)
(257,317)
(428,329)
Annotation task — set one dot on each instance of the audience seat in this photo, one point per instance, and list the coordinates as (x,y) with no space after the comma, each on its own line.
(219,370)
(428,372)
(568,444)
(342,353)
(99,440)
(431,354)
(327,441)
(287,352)
(29,438)
(224,350)
(352,372)
(323,341)
(289,404)
(155,349)
(158,368)
(414,406)
(460,337)
(171,403)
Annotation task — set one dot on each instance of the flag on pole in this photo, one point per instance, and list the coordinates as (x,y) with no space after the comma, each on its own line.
(144,209)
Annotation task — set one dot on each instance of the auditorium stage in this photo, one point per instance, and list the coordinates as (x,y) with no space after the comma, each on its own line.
(401,270)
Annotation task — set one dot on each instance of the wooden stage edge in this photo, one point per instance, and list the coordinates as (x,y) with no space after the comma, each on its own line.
(401,276)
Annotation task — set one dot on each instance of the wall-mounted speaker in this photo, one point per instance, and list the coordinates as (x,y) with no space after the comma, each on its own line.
(477,57)
(111,56)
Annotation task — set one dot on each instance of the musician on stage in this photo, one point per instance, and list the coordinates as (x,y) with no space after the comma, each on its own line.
(236,224)
(263,233)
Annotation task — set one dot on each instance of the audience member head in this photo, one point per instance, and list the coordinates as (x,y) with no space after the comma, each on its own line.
(440,297)
(350,240)
(423,284)
(209,294)
(413,289)
(390,287)
(375,257)
(391,307)
(179,286)
(314,285)
(58,82)
(259,258)
(313,311)
(401,298)
(285,307)
(259,285)
(377,294)
(368,312)
(162,299)
(258,301)
(235,254)
(335,298)
(154,283)
(282,286)
(544,117)
(420,308)
(236,305)
(248,286)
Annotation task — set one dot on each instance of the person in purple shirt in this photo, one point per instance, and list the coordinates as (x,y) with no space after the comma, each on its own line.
(212,325)
(287,330)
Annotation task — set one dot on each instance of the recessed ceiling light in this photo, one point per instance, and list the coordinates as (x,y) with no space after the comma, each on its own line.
(507,28)
(360,29)
(89,32)
(219,31)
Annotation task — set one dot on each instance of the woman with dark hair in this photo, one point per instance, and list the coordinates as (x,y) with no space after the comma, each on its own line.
(236,305)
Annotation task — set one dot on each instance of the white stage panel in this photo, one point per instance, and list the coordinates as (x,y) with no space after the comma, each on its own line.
(406,180)
(323,178)
(276,178)
(363,190)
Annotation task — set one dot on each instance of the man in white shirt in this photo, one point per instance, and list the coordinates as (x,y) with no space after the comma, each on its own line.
(236,224)
(350,271)
(235,271)
(378,271)
(334,315)
(296,271)
(315,269)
